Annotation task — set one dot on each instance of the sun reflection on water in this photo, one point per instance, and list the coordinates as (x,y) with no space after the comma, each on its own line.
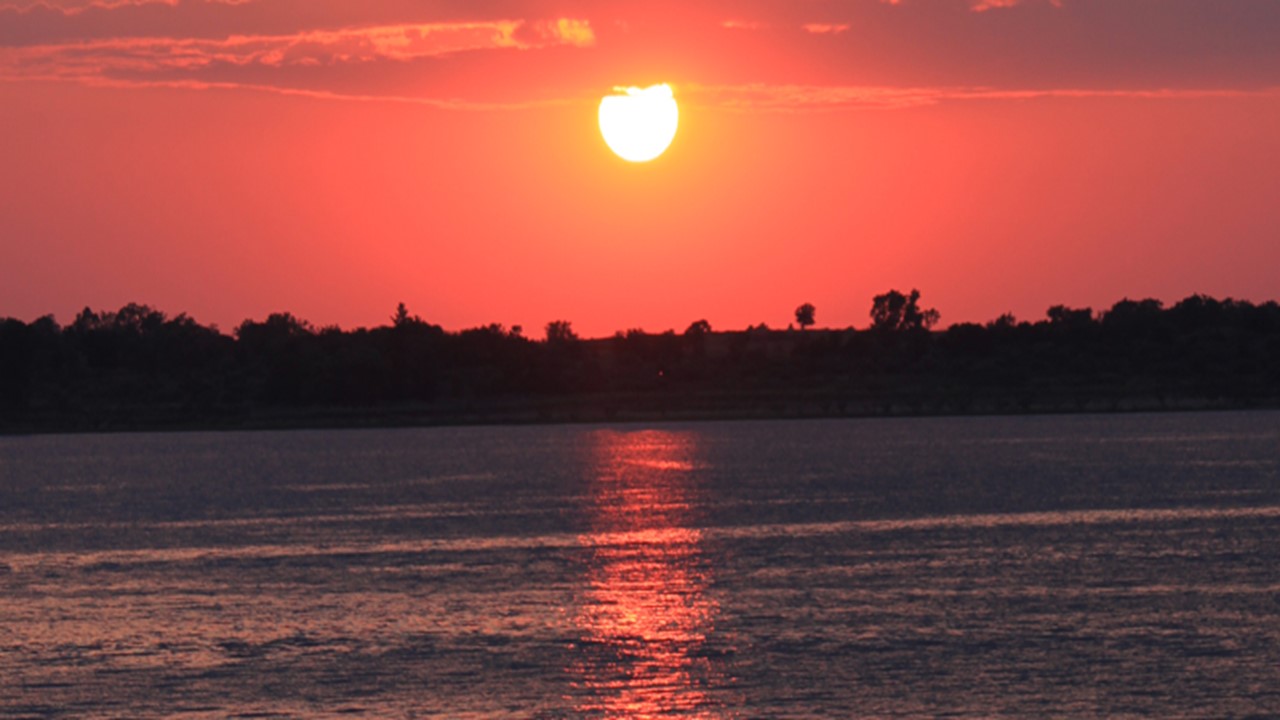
(644,612)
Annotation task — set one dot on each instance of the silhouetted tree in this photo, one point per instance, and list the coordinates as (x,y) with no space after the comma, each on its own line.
(401,318)
(804,315)
(85,321)
(1006,321)
(277,328)
(893,312)
(1064,316)
(698,327)
(1130,314)
(560,331)
(282,353)
(15,366)
(138,319)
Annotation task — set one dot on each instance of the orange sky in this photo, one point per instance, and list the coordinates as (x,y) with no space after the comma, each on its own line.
(333,158)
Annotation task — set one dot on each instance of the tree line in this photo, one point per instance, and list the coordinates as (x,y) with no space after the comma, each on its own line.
(139,368)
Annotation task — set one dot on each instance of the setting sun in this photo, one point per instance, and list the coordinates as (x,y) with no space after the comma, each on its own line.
(638,124)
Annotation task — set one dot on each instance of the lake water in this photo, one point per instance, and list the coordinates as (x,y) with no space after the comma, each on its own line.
(1069,566)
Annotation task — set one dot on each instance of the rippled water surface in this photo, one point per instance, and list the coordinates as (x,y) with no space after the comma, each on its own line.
(1039,566)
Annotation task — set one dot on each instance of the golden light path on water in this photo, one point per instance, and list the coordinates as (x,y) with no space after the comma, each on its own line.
(644,611)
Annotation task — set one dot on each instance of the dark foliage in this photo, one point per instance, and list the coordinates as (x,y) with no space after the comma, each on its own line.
(895,312)
(805,316)
(139,368)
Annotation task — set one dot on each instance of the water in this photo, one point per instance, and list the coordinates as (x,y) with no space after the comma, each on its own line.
(1062,566)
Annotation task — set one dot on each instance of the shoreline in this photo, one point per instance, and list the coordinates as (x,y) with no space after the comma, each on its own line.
(582,411)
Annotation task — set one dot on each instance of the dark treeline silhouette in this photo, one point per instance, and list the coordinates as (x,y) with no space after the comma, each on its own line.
(139,368)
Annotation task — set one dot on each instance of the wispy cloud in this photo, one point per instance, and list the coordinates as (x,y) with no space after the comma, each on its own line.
(443,103)
(75,7)
(984,5)
(825,28)
(820,53)
(140,56)
(737,24)
(805,98)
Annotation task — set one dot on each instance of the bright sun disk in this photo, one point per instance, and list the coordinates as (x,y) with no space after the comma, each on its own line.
(638,124)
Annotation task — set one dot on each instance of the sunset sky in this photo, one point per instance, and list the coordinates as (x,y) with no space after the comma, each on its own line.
(232,158)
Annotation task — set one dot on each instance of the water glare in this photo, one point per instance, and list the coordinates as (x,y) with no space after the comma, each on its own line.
(644,610)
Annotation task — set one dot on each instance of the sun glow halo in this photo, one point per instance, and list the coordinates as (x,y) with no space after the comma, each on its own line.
(638,124)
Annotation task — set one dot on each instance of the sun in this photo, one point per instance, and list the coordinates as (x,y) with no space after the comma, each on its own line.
(638,124)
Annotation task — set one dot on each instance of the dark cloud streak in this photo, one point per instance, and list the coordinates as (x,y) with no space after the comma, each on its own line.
(1032,46)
